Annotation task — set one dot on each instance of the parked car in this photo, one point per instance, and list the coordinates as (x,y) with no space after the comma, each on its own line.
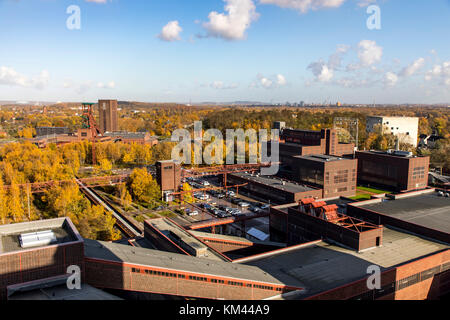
(244,204)
(236,212)
(193,213)
(265,206)
(220,195)
(206,183)
(236,200)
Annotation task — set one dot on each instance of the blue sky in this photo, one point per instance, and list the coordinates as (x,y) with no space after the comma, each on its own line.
(226,50)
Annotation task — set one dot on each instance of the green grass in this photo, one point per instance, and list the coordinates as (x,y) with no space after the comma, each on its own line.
(376,191)
(361,197)
(151,215)
(167,213)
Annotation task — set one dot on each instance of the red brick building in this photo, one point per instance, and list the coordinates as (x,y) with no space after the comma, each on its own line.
(334,175)
(394,170)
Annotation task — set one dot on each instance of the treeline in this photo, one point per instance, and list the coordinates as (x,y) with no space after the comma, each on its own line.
(430,119)
(25,163)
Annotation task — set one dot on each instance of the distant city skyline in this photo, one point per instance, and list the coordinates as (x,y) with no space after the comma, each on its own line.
(225,50)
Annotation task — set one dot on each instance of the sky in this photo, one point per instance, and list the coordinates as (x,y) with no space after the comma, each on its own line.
(352,51)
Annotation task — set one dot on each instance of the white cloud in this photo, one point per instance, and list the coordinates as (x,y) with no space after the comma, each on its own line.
(219,85)
(232,25)
(369,53)
(171,32)
(10,77)
(305,5)
(321,71)
(441,72)
(412,68)
(390,79)
(281,80)
(275,81)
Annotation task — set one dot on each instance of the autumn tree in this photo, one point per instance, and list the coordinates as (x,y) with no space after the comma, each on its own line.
(143,187)
(3,203)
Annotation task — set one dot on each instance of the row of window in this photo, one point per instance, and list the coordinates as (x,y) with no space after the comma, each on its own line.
(402,284)
(224,242)
(203,279)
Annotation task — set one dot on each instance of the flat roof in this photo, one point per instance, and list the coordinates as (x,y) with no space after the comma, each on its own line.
(428,210)
(323,266)
(61,292)
(275,182)
(321,158)
(9,234)
(179,262)
(393,154)
(166,227)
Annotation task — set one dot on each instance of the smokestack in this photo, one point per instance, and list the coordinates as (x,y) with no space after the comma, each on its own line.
(397,144)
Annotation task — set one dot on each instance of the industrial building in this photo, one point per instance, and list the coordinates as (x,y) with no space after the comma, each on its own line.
(425,212)
(404,128)
(132,137)
(107,130)
(37,250)
(107,116)
(168,176)
(325,141)
(394,170)
(336,176)
(273,188)
(45,131)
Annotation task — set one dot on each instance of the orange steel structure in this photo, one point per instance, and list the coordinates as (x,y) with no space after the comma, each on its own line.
(224,170)
(329,213)
(89,123)
(38,187)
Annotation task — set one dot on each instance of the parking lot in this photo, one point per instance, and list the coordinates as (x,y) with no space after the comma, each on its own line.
(218,203)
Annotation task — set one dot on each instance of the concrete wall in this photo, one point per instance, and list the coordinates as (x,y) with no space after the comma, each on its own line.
(405,128)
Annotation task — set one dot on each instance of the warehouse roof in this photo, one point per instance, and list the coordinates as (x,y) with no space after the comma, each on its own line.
(274,182)
(179,262)
(323,266)
(428,210)
(321,158)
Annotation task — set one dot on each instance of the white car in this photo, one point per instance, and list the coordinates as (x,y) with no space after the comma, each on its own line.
(244,204)
(206,183)
(193,213)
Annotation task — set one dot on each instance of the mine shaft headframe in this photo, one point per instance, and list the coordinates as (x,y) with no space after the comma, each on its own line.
(88,117)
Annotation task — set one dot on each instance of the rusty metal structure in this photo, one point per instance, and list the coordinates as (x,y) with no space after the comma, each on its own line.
(39,187)
(89,123)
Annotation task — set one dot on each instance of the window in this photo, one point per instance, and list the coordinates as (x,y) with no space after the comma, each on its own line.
(404,283)
(424,275)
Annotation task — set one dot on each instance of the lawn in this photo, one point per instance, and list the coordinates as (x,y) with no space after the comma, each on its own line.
(361,197)
(376,191)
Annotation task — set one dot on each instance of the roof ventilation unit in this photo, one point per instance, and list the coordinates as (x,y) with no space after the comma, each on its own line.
(37,239)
